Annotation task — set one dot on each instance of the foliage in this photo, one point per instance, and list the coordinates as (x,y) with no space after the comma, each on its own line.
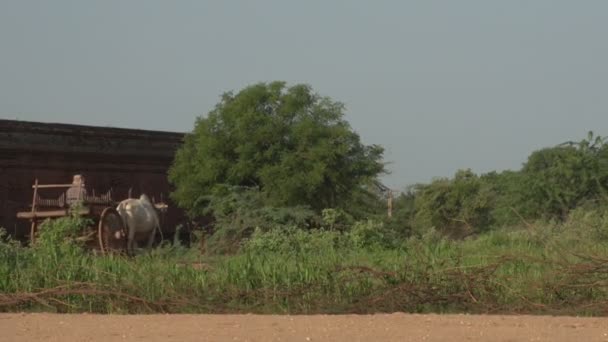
(336,219)
(552,183)
(403,213)
(293,241)
(367,201)
(457,207)
(368,234)
(560,178)
(291,143)
(371,234)
(238,211)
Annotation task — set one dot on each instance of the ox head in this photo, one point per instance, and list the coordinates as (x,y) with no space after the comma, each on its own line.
(161,207)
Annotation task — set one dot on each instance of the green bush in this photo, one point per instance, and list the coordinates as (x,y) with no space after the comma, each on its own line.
(294,241)
(456,207)
(238,211)
(367,234)
(556,180)
(336,219)
(372,235)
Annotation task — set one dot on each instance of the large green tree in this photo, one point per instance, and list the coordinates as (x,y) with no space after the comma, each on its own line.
(289,142)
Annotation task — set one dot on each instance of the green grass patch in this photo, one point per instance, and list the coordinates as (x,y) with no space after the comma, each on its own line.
(541,268)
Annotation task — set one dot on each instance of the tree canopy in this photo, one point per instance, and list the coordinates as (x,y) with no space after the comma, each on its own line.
(290,143)
(560,178)
(552,182)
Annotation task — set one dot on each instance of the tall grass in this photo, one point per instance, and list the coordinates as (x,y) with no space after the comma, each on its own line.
(537,268)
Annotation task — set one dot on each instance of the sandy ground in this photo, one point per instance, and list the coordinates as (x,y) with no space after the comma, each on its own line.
(392,327)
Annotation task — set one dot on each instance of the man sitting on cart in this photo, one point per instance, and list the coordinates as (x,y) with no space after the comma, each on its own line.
(77,192)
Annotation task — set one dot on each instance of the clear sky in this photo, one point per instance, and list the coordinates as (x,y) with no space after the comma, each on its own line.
(442,85)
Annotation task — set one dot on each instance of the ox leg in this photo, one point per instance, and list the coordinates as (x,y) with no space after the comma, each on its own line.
(130,240)
(151,238)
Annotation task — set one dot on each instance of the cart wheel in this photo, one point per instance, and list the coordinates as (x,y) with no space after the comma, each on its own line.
(111,232)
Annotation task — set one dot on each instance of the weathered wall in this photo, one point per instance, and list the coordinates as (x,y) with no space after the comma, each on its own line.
(108,157)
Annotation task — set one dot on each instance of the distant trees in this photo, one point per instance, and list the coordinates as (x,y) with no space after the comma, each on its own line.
(291,144)
(550,184)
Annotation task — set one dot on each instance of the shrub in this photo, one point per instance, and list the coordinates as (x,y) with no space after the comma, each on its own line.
(558,179)
(237,211)
(372,235)
(456,207)
(293,241)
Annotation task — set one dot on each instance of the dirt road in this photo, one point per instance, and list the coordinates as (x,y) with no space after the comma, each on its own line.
(393,327)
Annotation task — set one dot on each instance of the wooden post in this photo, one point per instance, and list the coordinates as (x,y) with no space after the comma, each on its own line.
(33,226)
(390,203)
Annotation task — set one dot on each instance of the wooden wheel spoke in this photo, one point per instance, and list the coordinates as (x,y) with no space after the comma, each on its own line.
(111,232)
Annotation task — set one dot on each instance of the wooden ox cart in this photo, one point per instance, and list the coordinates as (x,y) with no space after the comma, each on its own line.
(108,226)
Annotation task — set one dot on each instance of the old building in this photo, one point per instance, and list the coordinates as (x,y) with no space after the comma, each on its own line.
(110,158)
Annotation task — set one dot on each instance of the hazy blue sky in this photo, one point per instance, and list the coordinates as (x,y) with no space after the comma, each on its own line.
(442,85)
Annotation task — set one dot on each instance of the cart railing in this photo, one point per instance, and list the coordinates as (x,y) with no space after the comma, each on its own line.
(101,199)
(51,202)
(60,202)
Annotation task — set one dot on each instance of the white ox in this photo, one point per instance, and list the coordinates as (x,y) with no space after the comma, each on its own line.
(140,218)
